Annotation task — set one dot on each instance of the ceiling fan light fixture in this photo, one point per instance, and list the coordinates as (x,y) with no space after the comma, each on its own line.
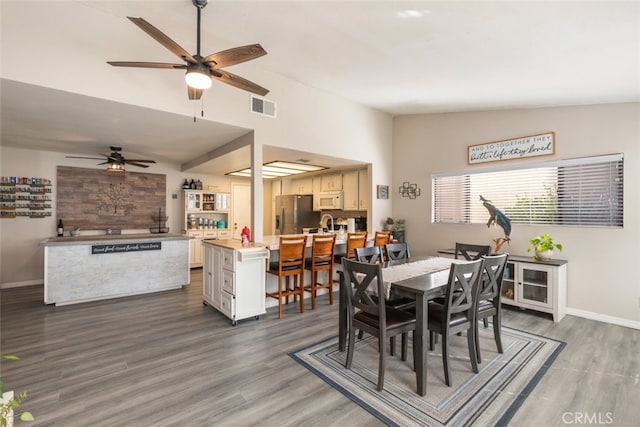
(198,76)
(115,167)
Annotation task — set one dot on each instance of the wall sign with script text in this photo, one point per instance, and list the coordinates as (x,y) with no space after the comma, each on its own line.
(518,148)
(125,247)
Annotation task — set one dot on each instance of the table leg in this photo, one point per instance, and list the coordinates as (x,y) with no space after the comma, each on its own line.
(420,341)
(342,316)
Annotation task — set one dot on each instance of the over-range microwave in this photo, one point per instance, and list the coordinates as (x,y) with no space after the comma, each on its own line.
(330,200)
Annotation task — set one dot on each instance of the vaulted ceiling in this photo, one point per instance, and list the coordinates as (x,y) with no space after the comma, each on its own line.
(401,57)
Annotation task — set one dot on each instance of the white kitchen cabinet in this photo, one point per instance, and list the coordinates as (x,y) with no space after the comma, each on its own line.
(364,190)
(355,187)
(534,285)
(316,192)
(301,186)
(205,206)
(331,182)
(195,248)
(350,190)
(234,278)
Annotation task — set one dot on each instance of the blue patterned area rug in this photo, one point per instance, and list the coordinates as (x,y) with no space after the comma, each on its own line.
(490,397)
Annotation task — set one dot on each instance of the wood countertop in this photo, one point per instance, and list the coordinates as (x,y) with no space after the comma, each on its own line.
(234,244)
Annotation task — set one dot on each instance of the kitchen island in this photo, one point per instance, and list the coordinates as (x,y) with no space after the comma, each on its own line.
(233,278)
(90,268)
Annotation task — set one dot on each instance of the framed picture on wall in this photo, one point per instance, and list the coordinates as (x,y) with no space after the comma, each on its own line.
(383,191)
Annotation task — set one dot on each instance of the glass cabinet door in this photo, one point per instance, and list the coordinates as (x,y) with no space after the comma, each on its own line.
(194,201)
(535,286)
(508,283)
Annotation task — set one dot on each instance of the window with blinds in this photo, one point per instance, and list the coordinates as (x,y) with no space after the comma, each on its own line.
(576,192)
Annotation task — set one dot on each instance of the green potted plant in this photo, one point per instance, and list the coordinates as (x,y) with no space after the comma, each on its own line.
(398,224)
(9,402)
(544,246)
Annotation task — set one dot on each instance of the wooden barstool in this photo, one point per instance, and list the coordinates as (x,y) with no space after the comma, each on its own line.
(290,264)
(322,252)
(381,239)
(354,240)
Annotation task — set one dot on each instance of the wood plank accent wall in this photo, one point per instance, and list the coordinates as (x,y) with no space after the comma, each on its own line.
(95,199)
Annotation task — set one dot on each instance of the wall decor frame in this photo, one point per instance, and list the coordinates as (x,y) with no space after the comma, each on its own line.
(96,199)
(409,190)
(526,146)
(382,191)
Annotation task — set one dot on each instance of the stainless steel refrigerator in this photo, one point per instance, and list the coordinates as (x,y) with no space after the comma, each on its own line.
(294,212)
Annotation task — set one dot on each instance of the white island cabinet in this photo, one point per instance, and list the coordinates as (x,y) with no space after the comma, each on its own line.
(233,279)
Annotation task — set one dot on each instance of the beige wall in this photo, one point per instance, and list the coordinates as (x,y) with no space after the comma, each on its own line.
(600,282)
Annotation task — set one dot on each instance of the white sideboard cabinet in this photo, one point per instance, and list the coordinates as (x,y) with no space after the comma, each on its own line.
(233,279)
(534,285)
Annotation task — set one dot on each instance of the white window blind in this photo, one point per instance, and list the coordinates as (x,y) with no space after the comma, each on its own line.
(576,192)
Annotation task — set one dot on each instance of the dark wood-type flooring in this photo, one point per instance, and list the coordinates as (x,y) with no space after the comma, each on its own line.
(164,359)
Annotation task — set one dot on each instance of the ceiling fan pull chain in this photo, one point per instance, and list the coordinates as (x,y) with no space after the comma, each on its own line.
(201,107)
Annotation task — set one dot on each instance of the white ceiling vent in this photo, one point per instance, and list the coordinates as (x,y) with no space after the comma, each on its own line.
(263,106)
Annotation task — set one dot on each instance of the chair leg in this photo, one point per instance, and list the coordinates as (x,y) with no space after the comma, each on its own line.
(445,359)
(360,334)
(403,352)
(432,340)
(314,280)
(477,340)
(351,343)
(496,332)
(381,361)
(392,346)
(301,291)
(486,322)
(330,283)
(279,297)
(471,343)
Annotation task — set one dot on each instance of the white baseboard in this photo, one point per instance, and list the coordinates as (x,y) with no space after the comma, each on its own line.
(604,318)
(8,285)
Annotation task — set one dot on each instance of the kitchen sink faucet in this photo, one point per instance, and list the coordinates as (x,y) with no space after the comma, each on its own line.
(322,220)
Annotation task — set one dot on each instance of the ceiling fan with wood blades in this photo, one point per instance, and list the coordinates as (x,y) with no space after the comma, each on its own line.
(200,70)
(116,161)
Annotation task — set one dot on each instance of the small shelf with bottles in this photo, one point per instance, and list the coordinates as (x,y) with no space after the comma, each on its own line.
(25,197)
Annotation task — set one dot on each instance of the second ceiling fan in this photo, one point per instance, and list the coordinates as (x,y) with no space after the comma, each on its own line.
(200,70)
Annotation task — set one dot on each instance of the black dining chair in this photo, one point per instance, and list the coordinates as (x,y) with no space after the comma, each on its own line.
(488,299)
(371,314)
(397,251)
(457,314)
(471,252)
(369,254)
(373,255)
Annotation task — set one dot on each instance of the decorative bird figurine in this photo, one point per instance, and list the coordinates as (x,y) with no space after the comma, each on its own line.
(498,218)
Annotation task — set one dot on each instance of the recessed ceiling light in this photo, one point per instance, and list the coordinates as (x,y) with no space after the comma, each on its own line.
(279,169)
(412,13)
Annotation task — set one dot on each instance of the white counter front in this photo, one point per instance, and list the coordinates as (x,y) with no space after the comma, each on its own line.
(90,268)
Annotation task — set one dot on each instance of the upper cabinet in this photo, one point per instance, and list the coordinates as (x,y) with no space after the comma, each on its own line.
(355,186)
(350,189)
(331,182)
(301,186)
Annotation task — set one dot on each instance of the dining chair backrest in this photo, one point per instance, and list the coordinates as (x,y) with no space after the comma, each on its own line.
(491,282)
(370,254)
(471,252)
(398,250)
(292,251)
(463,282)
(381,238)
(355,240)
(360,278)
